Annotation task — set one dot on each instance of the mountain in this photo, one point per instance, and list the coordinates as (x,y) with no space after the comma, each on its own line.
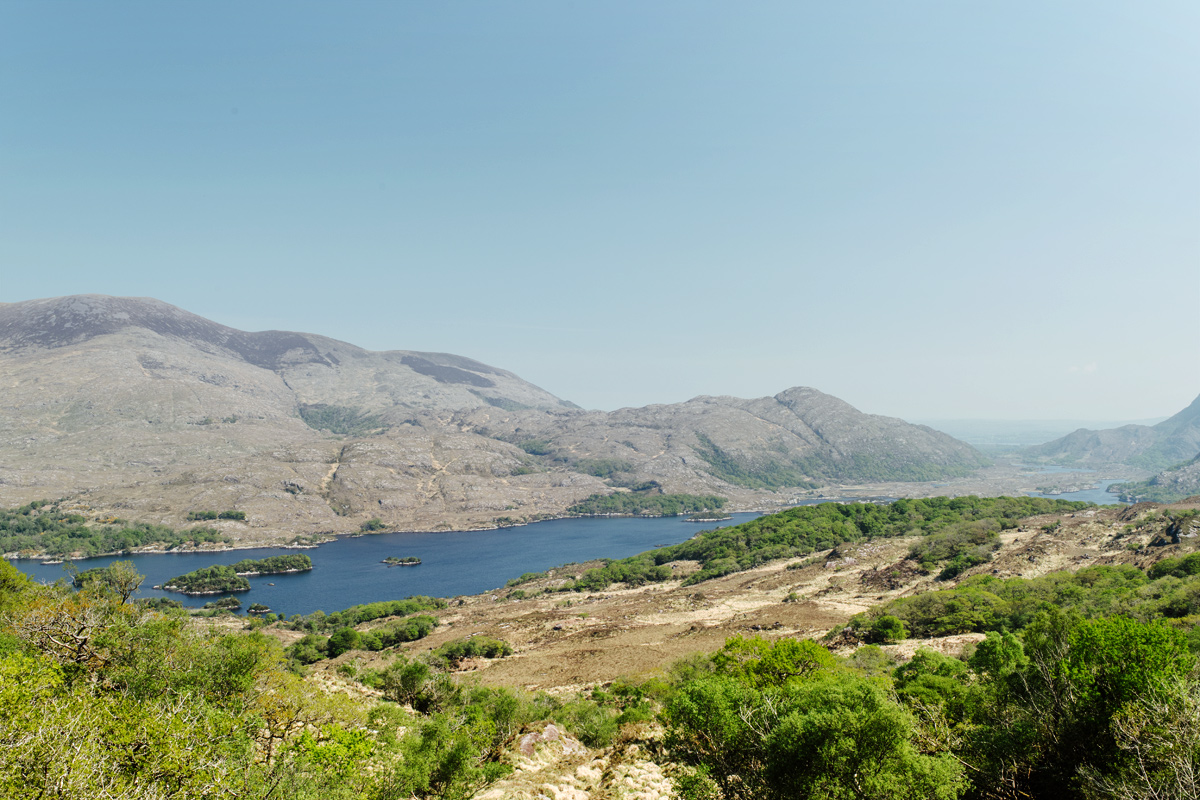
(165,342)
(1157,447)
(135,408)
(1169,486)
(798,438)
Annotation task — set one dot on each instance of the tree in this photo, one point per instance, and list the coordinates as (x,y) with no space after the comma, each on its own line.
(1158,736)
(783,720)
(841,737)
(887,629)
(343,641)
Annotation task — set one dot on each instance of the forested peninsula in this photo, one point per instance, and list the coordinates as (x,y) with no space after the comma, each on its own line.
(43,529)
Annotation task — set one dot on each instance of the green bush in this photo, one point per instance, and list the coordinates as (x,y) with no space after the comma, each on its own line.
(452,653)
(887,629)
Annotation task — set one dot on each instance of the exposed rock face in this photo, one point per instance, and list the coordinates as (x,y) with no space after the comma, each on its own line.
(135,406)
(1157,447)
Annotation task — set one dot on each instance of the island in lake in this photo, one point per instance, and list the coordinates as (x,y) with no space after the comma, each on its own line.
(407,561)
(232,578)
(709,516)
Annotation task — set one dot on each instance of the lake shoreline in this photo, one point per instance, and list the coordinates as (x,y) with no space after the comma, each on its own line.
(333,537)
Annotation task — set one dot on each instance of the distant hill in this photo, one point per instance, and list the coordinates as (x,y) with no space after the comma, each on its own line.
(997,436)
(1169,486)
(798,438)
(1156,447)
(135,408)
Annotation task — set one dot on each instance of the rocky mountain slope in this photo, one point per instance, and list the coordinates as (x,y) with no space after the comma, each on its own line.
(1168,486)
(1156,447)
(135,407)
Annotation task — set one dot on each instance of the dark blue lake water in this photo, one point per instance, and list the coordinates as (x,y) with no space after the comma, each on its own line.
(348,571)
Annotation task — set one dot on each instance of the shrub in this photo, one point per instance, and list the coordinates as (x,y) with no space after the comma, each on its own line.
(887,629)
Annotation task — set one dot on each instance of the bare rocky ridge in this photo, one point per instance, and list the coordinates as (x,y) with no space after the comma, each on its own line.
(133,406)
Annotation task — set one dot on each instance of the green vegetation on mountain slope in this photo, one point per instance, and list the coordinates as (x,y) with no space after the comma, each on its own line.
(1169,591)
(210,515)
(405,624)
(42,529)
(341,420)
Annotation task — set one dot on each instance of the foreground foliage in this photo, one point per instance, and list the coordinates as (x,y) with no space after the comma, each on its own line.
(983,603)
(1085,687)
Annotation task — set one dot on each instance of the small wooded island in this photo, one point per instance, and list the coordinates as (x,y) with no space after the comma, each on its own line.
(645,500)
(709,516)
(407,561)
(232,578)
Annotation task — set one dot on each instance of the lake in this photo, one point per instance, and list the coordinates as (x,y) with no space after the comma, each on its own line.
(348,571)
(1100,495)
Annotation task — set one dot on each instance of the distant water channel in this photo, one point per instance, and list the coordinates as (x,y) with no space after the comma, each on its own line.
(1098,495)
(348,571)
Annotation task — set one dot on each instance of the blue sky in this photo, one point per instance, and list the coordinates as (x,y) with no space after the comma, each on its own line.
(930,210)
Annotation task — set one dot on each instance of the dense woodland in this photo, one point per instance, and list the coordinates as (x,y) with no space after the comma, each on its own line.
(1085,687)
(42,529)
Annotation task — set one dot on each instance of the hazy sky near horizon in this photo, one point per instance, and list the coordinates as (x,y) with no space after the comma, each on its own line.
(928,209)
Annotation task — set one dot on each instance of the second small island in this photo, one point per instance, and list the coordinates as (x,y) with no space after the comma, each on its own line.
(407,561)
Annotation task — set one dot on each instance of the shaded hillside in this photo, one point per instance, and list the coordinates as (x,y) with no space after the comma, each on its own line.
(133,408)
(1157,447)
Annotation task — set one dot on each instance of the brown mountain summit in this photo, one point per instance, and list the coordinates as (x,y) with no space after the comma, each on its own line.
(137,407)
